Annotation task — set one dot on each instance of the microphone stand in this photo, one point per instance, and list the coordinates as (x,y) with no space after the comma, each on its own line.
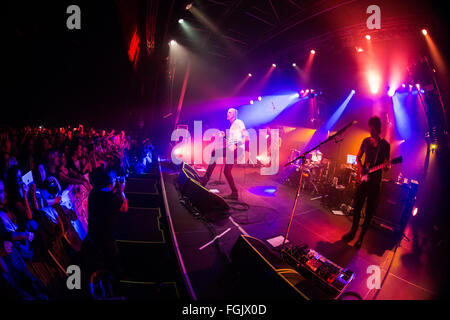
(303,158)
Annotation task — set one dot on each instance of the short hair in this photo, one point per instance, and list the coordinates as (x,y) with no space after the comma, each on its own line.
(101,177)
(375,122)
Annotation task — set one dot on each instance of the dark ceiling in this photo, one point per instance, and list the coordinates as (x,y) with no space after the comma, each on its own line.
(262,28)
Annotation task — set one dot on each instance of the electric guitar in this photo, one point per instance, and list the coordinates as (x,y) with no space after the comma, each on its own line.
(363,174)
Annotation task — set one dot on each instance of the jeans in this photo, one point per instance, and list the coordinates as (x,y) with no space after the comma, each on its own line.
(369,190)
(227,169)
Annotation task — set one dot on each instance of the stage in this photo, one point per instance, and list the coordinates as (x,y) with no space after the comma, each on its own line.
(406,273)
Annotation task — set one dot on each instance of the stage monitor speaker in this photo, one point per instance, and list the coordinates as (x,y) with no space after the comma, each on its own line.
(203,199)
(395,204)
(187,172)
(263,274)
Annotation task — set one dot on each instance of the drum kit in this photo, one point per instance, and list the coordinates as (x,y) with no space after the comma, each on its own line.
(334,186)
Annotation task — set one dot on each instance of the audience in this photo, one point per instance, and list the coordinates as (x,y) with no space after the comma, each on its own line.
(74,185)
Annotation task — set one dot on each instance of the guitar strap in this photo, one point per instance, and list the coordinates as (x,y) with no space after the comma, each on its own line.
(376,156)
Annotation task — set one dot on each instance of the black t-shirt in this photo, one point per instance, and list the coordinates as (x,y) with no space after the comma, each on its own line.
(103,209)
(375,155)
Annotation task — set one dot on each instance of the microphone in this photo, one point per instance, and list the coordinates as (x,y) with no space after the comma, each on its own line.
(343,129)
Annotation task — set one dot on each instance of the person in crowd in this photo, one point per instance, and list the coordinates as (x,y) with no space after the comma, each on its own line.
(48,187)
(106,201)
(21,197)
(65,177)
(16,282)
(9,223)
(53,163)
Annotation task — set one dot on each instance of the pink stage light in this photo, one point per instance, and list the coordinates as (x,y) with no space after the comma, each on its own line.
(414,211)
(274,65)
(424,32)
(177,152)
(313,51)
(368,37)
(374,81)
(249,74)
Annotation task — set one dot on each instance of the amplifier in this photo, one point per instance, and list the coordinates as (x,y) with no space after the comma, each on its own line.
(395,204)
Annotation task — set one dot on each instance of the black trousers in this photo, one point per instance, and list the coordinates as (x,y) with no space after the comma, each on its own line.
(226,170)
(369,190)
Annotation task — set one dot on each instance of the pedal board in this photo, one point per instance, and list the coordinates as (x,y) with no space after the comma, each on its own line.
(317,266)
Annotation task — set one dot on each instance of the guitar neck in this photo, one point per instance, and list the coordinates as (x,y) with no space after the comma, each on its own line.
(376,168)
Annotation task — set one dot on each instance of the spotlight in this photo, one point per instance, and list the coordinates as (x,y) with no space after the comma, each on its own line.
(410,87)
(312,90)
(172,43)
(414,211)
(368,37)
(189,6)
(353,91)
(249,74)
(180,21)
(433,146)
(307,91)
(296,95)
(417,86)
(359,49)
(294,64)
(177,152)
(424,32)
(274,65)
(391,92)
(404,85)
(313,51)
(251,101)
(302,91)
(259,98)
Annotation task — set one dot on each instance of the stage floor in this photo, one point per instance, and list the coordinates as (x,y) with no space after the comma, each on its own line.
(411,274)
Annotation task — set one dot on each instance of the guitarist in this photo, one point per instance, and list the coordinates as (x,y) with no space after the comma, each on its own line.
(238,136)
(376,151)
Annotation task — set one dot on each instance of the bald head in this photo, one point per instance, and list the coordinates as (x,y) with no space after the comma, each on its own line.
(231,114)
